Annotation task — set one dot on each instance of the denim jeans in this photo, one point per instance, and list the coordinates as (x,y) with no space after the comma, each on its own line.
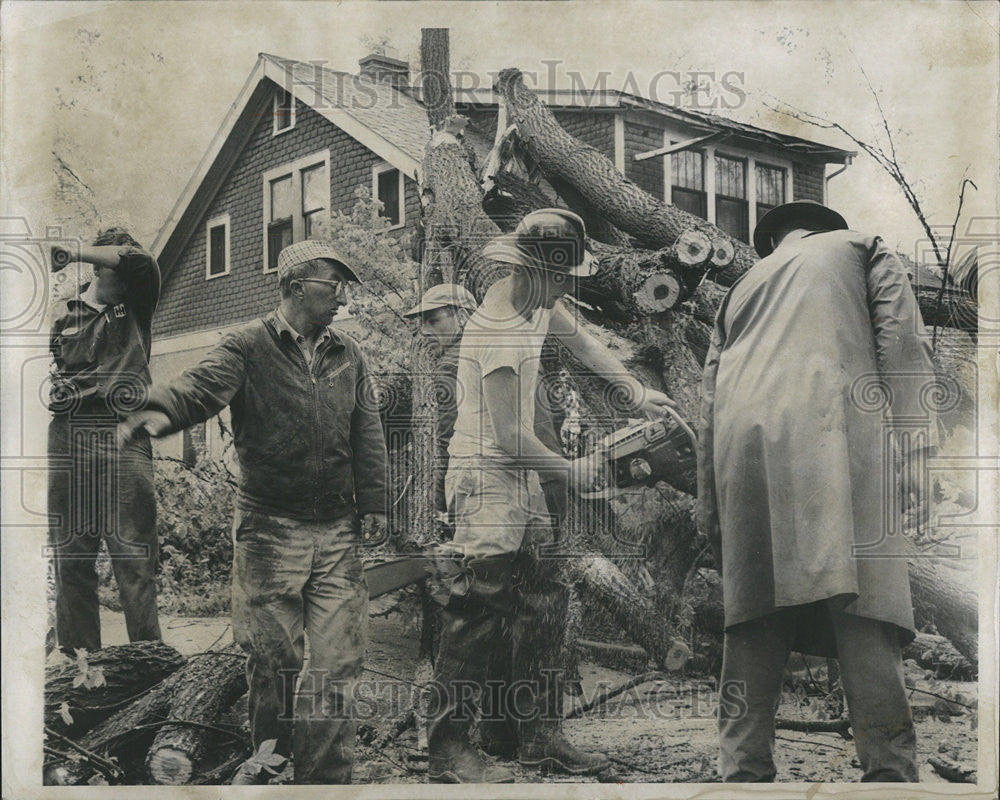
(95,492)
(871,670)
(293,579)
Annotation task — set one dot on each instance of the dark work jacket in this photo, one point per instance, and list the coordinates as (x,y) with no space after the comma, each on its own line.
(309,440)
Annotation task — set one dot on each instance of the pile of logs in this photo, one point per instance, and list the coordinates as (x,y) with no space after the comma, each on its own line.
(154,721)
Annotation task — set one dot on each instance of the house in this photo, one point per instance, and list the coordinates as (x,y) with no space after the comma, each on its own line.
(300,139)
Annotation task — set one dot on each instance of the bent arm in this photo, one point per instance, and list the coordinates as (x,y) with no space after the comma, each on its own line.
(902,347)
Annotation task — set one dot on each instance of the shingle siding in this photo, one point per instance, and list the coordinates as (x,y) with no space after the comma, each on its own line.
(647,174)
(594,128)
(189,302)
(807,181)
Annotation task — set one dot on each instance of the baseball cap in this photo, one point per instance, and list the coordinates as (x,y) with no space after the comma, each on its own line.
(442,296)
(300,252)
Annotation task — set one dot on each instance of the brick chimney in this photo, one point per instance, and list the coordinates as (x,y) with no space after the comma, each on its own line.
(385,69)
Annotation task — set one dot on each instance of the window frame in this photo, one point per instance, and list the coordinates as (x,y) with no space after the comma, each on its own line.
(295,169)
(768,164)
(379,169)
(221,220)
(674,136)
(745,200)
(279,93)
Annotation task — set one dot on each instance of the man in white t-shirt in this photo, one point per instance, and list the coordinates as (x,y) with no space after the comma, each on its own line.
(504,599)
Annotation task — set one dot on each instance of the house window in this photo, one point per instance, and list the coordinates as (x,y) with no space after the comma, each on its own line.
(387,189)
(687,189)
(296,201)
(284,111)
(217,247)
(731,207)
(770,188)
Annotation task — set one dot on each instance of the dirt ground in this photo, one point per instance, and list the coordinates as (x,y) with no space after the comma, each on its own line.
(656,733)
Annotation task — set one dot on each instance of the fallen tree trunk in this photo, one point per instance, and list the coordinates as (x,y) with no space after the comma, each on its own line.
(624,204)
(213,682)
(128,671)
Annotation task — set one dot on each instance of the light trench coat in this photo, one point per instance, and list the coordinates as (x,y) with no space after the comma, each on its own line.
(818,353)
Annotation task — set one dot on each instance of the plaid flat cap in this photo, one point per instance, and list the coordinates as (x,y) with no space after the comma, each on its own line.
(308,250)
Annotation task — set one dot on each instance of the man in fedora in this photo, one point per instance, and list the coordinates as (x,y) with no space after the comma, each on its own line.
(311,487)
(503,612)
(791,465)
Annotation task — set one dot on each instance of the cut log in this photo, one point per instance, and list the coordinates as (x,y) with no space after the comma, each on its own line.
(955,310)
(625,205)
(937,654)
(600,581)
(213,682)
(128,733)
(636,282)
(949,606)
(951,770)
(128,670)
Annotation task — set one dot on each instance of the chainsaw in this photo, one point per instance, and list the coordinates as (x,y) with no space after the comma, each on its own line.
(645,452)
(640,454)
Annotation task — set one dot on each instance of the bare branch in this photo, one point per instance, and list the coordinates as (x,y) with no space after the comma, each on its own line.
(947,260)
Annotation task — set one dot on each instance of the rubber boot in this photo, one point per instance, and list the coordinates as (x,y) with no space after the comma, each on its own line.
(471,623)
(538,633)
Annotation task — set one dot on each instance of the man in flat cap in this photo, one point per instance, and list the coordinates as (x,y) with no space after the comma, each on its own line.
(443,311)
(312,484)
(791,473)
(505,613)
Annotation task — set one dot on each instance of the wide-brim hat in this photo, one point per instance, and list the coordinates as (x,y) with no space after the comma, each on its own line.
(300,252)
(804,210)
(551,239)
(444,295)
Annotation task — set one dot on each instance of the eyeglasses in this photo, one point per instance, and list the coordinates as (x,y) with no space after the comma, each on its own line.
(337,285)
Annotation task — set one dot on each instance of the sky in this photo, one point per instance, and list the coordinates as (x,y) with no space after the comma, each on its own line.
(108,107)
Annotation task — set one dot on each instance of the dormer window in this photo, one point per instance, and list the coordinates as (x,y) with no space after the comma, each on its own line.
(284,111)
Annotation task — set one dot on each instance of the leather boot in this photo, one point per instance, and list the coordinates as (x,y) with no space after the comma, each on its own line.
(471,623)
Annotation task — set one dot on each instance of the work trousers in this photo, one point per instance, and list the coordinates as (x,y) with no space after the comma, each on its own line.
(504,626)
(871,671)
(293,579)
(95,492)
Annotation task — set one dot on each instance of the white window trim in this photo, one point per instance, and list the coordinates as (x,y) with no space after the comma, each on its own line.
(751,157)
(215,222)
(293,168)
(377,170)
(275,130)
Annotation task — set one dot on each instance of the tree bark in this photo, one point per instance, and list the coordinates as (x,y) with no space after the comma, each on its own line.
(128,669)
(435,69)
(938,654)
(625,205)
(214,681)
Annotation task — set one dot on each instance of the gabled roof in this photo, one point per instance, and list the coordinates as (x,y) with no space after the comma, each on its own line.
(388,122)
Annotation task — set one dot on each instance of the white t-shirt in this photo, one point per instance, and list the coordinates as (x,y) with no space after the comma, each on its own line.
(496,336)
